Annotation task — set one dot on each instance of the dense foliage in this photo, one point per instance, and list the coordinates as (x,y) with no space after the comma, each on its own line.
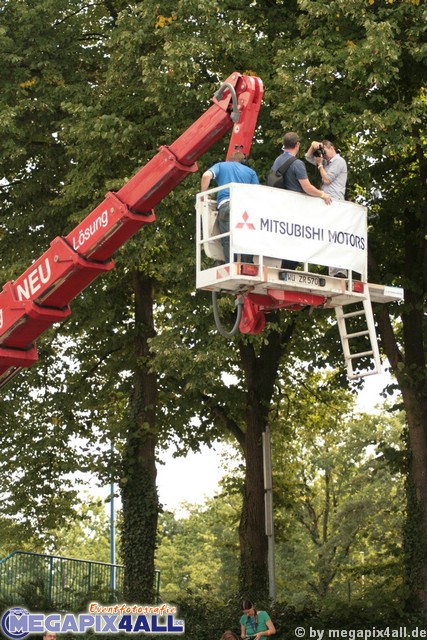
(90,90)
(339,504)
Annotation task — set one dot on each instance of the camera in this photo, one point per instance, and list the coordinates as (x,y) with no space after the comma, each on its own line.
(320,152)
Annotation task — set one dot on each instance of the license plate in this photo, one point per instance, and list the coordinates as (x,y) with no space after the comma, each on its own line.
(301,278)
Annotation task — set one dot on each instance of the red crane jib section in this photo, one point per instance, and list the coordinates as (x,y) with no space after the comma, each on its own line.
(40,297)
(255,305)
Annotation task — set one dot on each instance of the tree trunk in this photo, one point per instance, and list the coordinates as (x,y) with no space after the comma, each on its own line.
(411,376)
(261,375)
(416,526)
(138,485)
(409,367)
(253,540)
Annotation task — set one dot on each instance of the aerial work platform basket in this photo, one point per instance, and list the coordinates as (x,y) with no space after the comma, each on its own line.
(272,228)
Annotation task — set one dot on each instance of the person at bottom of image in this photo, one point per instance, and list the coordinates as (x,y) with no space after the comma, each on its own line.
(229,635)
(254,623)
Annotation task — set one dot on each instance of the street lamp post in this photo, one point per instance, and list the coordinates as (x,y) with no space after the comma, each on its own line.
(269,520)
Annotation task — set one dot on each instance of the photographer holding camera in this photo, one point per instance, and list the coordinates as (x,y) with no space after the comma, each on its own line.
(255,624)
(332,168)
(333,172)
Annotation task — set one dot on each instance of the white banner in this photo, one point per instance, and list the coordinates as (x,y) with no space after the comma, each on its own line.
(292,226)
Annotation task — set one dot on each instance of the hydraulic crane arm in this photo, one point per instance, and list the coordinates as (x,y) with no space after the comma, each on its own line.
(40,297)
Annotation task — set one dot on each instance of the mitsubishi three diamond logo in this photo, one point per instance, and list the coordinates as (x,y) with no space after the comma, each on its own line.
(245,223)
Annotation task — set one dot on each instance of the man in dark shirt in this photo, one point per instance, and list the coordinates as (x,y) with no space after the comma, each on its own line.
(296,178)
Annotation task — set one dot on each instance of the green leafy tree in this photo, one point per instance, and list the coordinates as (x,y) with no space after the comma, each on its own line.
(341,535)
(50,101)
(89,101)
(356,74)
(339,512)
(198,553)
(87,536)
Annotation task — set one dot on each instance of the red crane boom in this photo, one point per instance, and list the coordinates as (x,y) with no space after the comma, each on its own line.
(40,297)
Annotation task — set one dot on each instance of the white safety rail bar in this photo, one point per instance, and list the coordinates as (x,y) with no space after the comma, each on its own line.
(274,225)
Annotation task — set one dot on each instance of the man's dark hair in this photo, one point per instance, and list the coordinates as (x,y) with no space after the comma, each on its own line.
(290,140)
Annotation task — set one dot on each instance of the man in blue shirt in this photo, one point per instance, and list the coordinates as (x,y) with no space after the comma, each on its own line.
(232,170)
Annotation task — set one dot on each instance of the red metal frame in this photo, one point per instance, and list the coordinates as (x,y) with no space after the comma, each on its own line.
(41,295)
(255,305)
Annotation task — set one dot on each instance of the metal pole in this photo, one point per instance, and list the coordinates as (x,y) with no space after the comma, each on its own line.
(269,520)
(112,536)
(50,588)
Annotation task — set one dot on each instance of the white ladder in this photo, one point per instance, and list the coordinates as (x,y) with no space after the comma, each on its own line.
(366,317)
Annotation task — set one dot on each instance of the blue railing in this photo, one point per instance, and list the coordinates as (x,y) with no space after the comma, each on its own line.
(59,583)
